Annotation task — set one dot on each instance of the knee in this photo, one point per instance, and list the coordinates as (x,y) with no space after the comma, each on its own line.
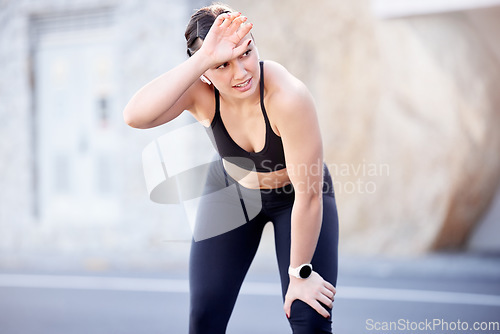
(204,320)
(207,314)
(306,320)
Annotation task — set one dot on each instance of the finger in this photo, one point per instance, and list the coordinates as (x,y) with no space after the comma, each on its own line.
(242,48)
(320,309)
(327,301)
(244,29)
(234,15)
(230,19)
(328,293)
(220,19)
(287,306)
(330,287)
(236,24)
(226,20)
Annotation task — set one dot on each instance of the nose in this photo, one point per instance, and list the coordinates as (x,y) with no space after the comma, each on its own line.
(239,71)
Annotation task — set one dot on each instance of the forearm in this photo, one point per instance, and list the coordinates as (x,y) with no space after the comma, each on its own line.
(307,215)
(160,95)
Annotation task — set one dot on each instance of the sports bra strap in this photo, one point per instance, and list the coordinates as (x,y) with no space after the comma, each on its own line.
(217,101)
(261,84)
(273,148)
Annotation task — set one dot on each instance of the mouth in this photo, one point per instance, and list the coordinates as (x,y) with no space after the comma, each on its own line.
(244,84)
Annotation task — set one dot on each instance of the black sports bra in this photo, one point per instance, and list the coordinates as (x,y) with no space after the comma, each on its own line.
(269,159)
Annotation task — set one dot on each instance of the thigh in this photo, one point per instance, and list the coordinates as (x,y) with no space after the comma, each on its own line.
(222,206)
(226,257)
(217,268)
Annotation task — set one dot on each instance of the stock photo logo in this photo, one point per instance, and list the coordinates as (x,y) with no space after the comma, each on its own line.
(183,167)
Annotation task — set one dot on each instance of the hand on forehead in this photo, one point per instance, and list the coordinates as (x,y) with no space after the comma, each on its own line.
(245,39)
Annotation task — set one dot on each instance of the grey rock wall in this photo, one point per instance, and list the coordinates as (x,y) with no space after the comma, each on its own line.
(408,109)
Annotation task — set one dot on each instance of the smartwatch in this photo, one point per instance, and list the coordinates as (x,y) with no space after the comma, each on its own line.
(303,271)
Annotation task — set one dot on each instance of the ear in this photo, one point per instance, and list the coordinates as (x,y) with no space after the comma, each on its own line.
(205,80)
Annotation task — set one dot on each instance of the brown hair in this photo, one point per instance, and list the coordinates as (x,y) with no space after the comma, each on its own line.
(200,23)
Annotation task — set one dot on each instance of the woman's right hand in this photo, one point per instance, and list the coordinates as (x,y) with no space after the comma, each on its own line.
(222,42)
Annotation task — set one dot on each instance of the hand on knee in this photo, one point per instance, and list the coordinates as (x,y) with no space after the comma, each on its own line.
(306,320)
(314,291)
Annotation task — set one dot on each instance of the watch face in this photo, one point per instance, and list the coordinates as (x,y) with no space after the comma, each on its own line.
(305,271)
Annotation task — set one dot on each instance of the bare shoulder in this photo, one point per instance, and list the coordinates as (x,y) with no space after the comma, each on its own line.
(203,107)
(286,94)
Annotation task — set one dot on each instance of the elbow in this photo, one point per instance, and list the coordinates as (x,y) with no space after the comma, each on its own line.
(309,192)
(130,118)
(311,200)
(315,200)
(130,121)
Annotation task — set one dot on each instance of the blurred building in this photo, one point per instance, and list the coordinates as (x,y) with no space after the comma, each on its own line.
(70,170)
(72,185)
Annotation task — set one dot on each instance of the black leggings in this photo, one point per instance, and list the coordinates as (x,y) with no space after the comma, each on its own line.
(219,264)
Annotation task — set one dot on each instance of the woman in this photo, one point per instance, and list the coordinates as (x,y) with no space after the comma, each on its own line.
(270,121)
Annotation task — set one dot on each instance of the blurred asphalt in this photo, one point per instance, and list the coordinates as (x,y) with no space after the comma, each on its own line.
(446,289)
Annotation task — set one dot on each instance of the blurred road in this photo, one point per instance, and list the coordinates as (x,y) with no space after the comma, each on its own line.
(420,297)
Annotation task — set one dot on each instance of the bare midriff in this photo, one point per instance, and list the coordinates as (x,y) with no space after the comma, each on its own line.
(257,180)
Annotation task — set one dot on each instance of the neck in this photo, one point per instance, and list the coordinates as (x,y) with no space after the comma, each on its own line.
(241,103)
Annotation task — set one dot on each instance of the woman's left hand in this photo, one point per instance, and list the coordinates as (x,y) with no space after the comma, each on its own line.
(312,291)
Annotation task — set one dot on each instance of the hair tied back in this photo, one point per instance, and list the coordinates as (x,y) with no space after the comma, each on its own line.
(204,18)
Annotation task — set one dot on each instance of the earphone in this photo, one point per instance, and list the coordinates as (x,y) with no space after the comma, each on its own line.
(205,80)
